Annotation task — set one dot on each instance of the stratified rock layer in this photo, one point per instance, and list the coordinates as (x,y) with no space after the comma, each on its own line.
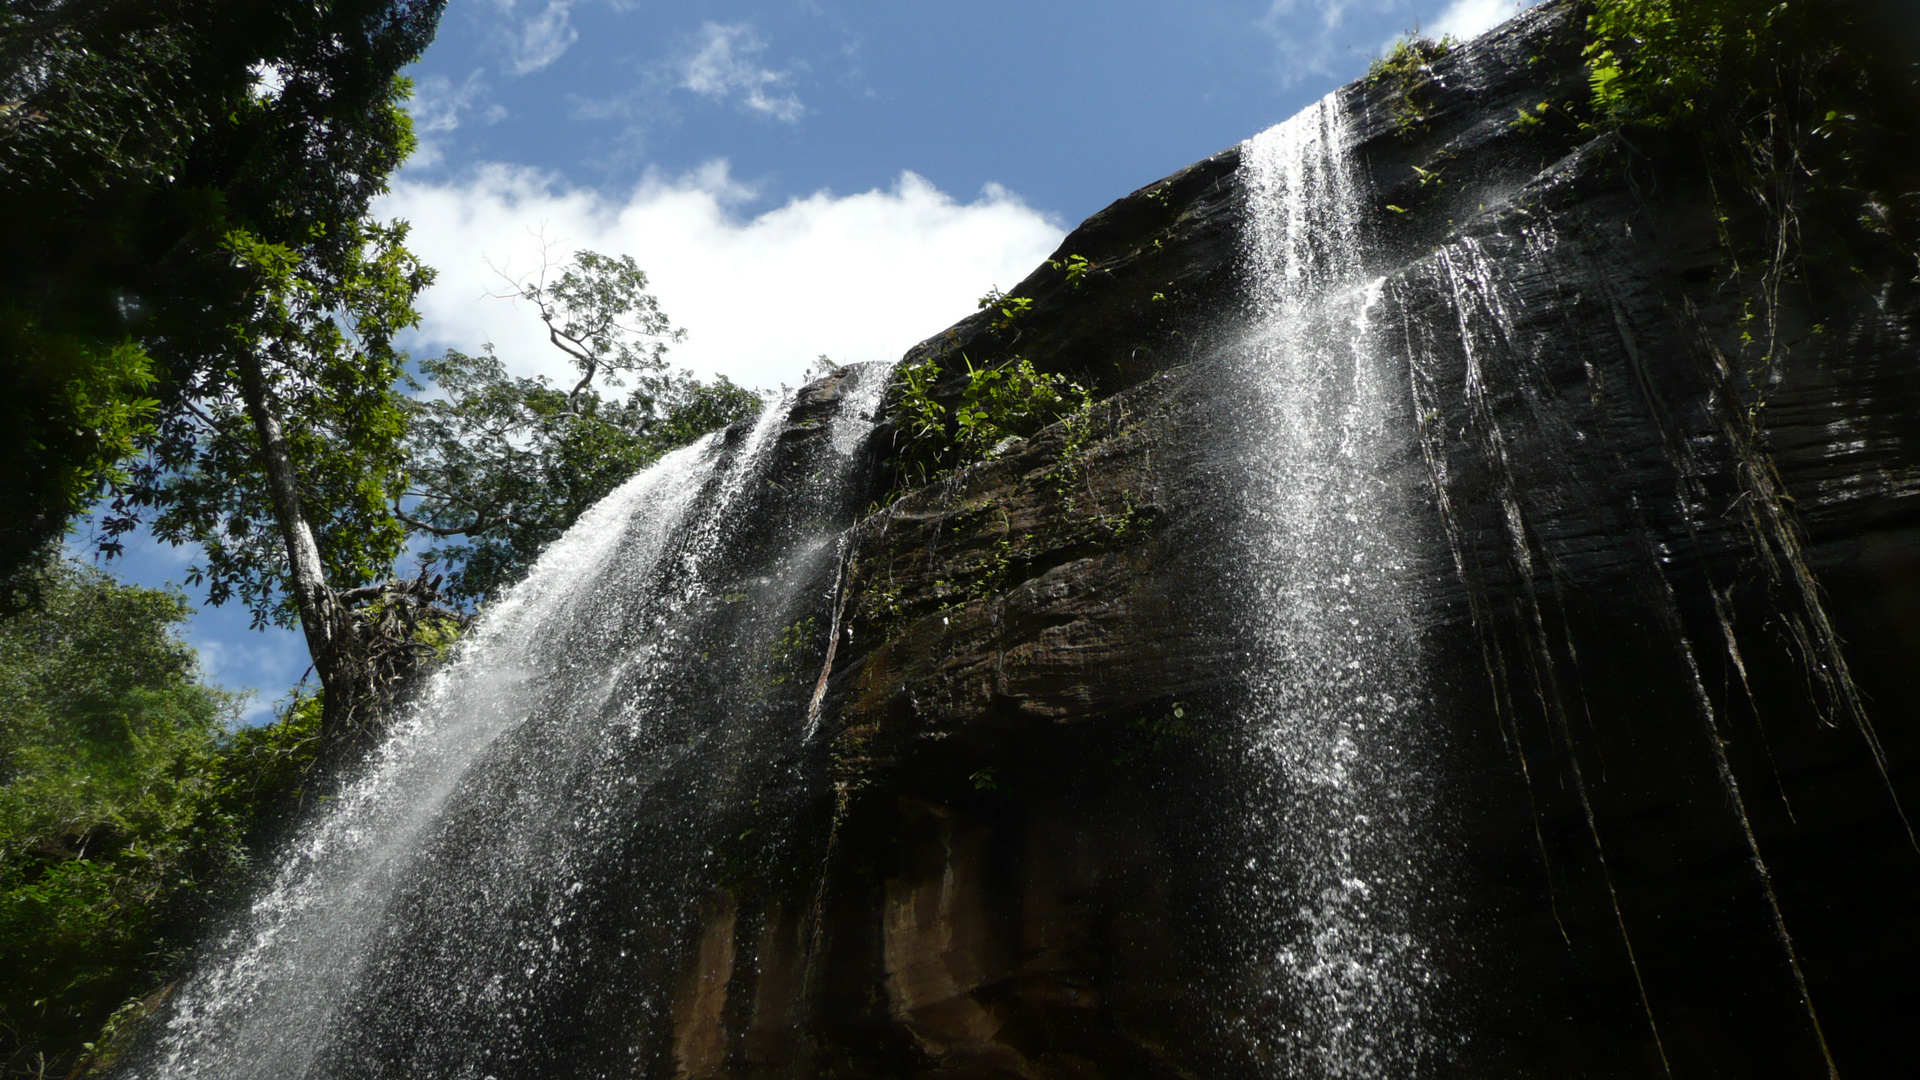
(1671,618)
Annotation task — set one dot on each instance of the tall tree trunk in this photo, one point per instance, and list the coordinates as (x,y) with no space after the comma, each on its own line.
(328,625)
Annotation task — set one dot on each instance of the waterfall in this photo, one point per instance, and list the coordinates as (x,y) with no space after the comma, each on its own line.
(503,889)
(1339,807)
(1434,654)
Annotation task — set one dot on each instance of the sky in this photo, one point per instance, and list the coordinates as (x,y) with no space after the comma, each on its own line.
(807,177)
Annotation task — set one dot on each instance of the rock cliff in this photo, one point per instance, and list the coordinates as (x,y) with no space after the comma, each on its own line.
(1667,609)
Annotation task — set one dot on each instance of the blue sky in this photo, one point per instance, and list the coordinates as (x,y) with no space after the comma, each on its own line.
(810,176)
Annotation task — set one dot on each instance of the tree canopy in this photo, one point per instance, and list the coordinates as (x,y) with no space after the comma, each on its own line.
(186,180)
(508,463)
(125,804)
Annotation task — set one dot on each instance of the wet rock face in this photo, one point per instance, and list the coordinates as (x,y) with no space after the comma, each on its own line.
(1015,879)
(1021,638)
(1671,627)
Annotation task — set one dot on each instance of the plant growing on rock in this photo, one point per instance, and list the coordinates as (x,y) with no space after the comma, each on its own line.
(997,404)
(1007,310)
(1407,72)
(1798,105)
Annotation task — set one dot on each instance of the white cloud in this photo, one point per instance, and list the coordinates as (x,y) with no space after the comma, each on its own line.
(726,63)
(544,38)
(857,277)
(260,664)
(1464,19)
(1310,36)
(1315,37)
(437,103)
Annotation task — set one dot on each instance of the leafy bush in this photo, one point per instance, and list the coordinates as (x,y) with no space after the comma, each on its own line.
(1799,106)
(1660,63)
(998,403)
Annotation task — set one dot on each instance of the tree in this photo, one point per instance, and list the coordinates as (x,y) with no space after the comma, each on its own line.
(141,142)
(130,809)
(191,271)
(282,468)
(509,463)
(107,801)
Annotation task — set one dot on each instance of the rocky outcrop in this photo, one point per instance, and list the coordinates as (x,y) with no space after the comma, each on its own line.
(1671,623)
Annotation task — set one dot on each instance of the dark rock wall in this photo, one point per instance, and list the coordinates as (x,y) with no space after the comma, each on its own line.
(1676,608)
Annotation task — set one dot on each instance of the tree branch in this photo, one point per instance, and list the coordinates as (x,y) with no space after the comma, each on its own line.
(481,523)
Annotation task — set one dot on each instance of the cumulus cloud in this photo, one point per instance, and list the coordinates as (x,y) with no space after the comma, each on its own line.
(1311,36)
(856,277)
(726,63)
(260,664)
(541,40)
(1465,19)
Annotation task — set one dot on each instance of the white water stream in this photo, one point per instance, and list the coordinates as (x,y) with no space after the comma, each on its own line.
(426,918)
(1337,694)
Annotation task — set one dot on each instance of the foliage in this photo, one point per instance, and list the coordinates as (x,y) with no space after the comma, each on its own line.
(508,463)
(70,410)
(332,386)
(789,650)
(601,315)
(1007,310)
(126,807)
(1076,267)
(1660,63)
(1151,738)
(1407,71)
(152,152)
(997,404)
(1797,105)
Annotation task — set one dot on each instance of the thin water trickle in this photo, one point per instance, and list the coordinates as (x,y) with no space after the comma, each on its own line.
(1336,696)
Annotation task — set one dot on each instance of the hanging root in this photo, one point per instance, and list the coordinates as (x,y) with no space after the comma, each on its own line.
(1776,535)
(396,631)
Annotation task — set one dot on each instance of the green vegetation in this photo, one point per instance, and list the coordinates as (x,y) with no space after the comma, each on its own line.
(1007,310)
(998,404)
(128,811)
(198,317)
(1152,738)
(1660,63)
(1798,110)
(200,314)
(142,147)
(190,272)
(70,411)
(789,651)
(208,478)
(1801,113)
(1407,71)
(1076,267)
(507,464)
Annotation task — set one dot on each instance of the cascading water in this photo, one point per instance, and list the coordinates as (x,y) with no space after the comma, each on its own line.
(1339,806)
(505,890)
(1393,690)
